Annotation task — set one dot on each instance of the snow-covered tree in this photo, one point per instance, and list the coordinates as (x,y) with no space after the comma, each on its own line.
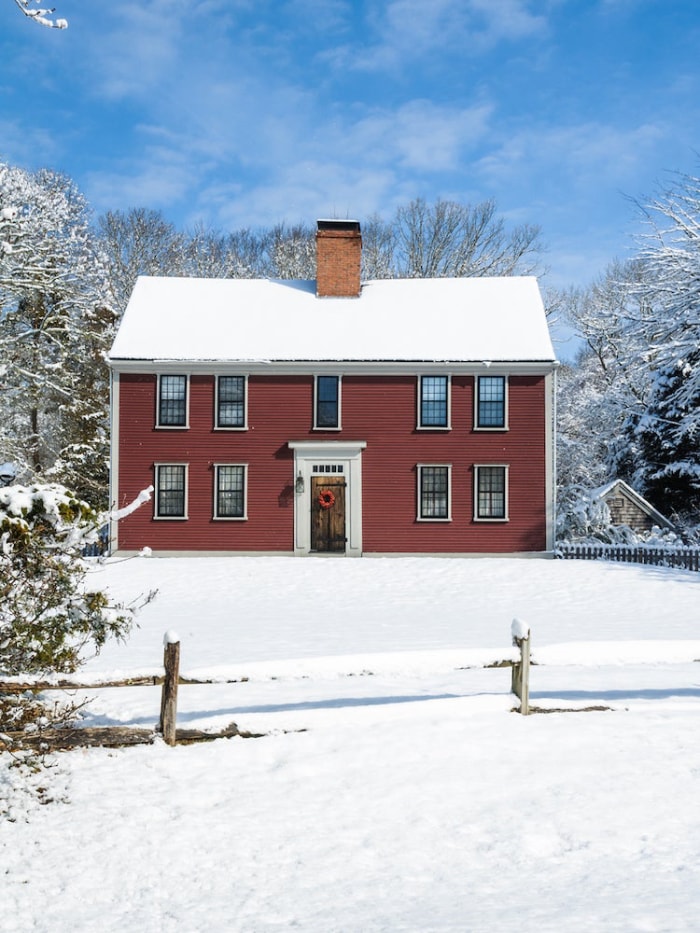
(607,387)
(55,324)
(669,430)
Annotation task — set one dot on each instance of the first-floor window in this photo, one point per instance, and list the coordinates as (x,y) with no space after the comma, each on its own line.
(433,492)
(171,490)
(230,492)
(491,493)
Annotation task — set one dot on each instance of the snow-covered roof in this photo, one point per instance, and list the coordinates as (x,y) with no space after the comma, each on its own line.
(461,320)
(621,487)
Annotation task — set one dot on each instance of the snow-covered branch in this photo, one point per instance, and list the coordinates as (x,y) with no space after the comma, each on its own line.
(43,17)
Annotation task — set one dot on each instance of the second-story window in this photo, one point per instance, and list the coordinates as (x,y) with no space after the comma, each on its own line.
(172,401)
(491,402)
(434,402)
(327,402)
(231,402)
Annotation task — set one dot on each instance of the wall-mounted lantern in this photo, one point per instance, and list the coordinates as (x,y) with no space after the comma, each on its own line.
(299,484)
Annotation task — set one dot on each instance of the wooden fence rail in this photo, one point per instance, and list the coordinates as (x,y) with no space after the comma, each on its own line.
(683,558)
(519,663)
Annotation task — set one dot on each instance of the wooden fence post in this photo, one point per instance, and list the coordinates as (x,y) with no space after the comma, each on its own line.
(520,682)
(168,700)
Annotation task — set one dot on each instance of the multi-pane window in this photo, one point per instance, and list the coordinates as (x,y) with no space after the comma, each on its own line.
(327,408)
(230,491)
(491,492)
(491,402)
(433,492)
(231,402)
(171,490)
(433,408)
(172,401)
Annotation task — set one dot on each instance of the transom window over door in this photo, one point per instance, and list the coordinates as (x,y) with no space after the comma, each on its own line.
(172,401)
(491,402)
(434,492)
(231,402)
(433,405)
(327,402)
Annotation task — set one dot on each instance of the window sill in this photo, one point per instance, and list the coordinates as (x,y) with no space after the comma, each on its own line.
(230,518)
(170,518)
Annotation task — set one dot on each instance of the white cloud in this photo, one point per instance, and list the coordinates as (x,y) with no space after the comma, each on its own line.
(583,154)
(403,32)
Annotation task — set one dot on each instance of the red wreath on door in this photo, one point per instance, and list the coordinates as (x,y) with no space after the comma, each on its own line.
(326,499)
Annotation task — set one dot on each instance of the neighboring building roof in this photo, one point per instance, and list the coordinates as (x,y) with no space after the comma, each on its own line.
(619,488)
(460,320)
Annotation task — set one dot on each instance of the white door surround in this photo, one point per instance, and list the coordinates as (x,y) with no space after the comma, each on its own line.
(315,458)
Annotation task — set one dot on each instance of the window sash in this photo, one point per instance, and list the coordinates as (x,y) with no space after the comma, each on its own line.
(230,491)
(434,502)
(491,492)
(172,401)
(171,490)
(434,407)
(231,402)
(327,412)
(491,402)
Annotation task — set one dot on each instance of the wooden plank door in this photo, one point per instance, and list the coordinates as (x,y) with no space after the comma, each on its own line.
(328,513)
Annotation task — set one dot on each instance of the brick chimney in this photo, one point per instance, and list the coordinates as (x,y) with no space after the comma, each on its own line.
(338,259)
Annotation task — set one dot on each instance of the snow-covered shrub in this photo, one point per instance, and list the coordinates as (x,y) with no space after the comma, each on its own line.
(48,612)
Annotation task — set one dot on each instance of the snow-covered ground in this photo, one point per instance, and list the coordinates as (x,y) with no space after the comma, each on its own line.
(413,799)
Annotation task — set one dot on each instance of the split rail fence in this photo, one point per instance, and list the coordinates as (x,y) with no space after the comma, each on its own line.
(519,661)
(684,558)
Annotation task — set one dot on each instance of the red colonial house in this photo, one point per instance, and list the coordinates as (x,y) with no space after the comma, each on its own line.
(401,416)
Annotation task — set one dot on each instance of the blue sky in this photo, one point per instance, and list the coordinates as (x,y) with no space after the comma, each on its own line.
(249,112)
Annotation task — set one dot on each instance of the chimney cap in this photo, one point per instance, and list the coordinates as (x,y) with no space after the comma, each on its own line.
(339,226)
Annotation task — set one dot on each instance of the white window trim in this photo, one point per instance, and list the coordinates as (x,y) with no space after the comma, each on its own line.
(339,426)
(226,427)
(434,427)
(479,518)
(419,491)
(173,427)
(230,518)
(156,493)
(506,394)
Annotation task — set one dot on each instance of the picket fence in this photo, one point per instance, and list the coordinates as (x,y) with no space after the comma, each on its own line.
(684,558)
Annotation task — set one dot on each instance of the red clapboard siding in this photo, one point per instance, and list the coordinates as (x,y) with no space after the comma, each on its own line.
(380,410)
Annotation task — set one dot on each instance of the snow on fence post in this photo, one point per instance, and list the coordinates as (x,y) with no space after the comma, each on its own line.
(168,700)
(520,683)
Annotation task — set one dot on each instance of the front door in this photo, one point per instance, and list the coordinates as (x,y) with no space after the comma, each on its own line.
(328,513)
